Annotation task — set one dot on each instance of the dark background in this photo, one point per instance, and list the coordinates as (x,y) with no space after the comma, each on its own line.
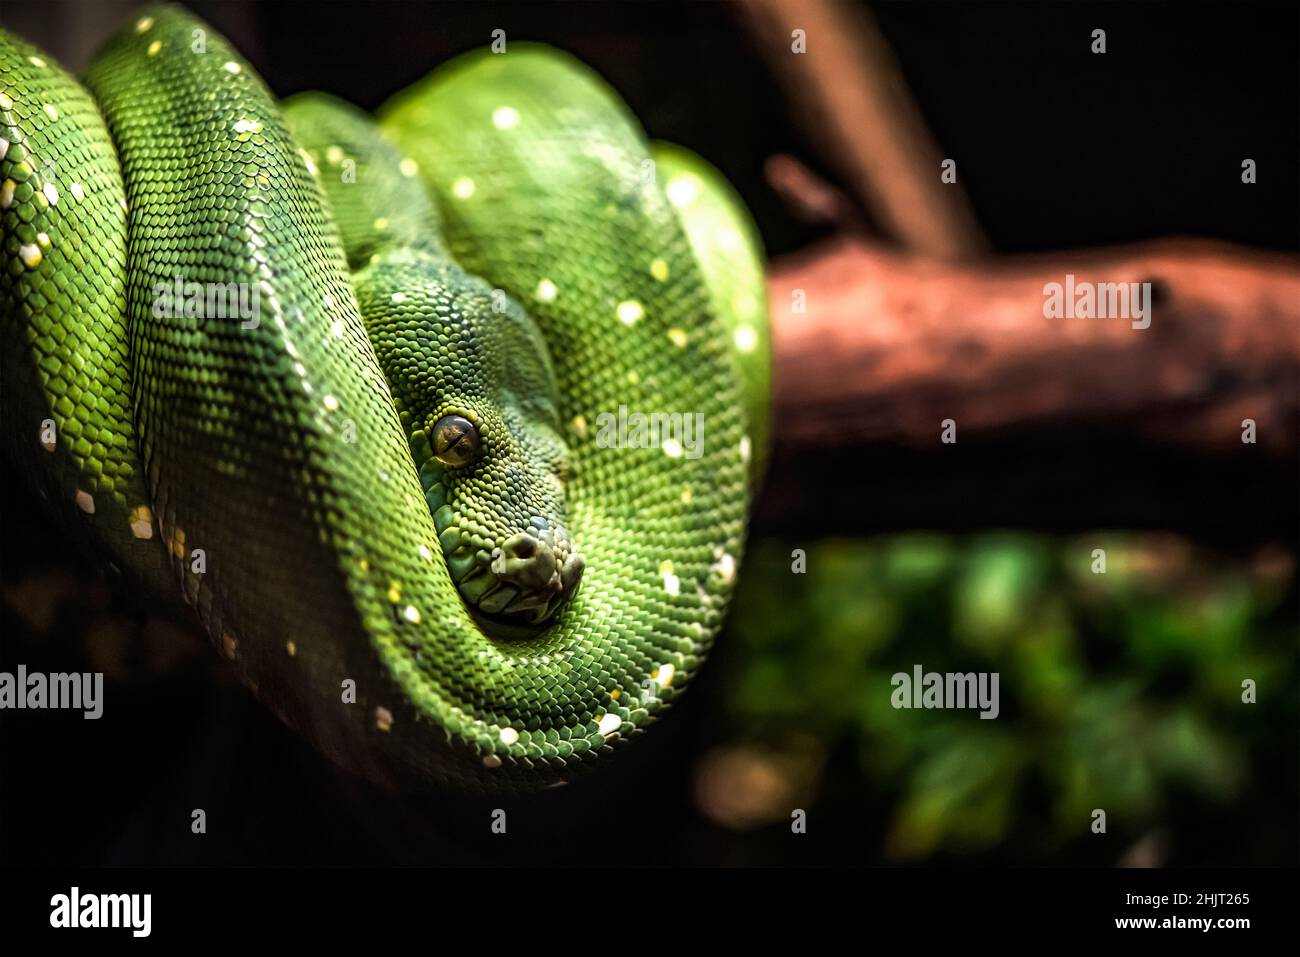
(1057,148)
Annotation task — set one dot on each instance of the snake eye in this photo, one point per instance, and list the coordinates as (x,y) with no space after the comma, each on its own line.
(455,440)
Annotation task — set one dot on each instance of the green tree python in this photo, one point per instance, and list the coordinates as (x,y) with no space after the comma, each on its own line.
(392,491)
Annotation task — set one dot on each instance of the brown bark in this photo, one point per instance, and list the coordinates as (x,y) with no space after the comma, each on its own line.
(890,345)
(1063,425)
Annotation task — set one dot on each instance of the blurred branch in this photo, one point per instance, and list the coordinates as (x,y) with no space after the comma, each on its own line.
(889,345)
(810,198)
(855,106)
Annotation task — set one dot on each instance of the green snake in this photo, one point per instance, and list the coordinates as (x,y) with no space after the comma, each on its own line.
(406,493)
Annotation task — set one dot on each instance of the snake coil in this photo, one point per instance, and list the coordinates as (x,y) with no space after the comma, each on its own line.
(267,465)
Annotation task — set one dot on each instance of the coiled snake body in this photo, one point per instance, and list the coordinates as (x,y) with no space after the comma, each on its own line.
(389,491)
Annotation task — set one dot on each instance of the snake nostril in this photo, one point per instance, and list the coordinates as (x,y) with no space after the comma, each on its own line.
(523,546)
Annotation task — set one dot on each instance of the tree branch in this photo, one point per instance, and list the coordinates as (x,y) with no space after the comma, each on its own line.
(890,345)
(854,105)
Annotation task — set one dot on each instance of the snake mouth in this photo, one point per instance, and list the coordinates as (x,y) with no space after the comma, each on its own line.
(527,578)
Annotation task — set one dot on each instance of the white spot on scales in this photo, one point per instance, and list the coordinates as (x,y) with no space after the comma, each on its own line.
(630,312)
(672,584)
(608,724)
(682,190)
(725,566)
(142,522)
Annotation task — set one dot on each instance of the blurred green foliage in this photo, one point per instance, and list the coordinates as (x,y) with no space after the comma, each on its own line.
(1120,691)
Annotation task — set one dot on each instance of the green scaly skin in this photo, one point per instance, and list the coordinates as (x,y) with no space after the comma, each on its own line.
(281,470)
(730,253)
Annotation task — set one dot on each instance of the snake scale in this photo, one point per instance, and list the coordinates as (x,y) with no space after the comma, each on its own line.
(386,492)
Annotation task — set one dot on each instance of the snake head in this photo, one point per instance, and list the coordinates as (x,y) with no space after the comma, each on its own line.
(498,503)
(473,383)
(506,562)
